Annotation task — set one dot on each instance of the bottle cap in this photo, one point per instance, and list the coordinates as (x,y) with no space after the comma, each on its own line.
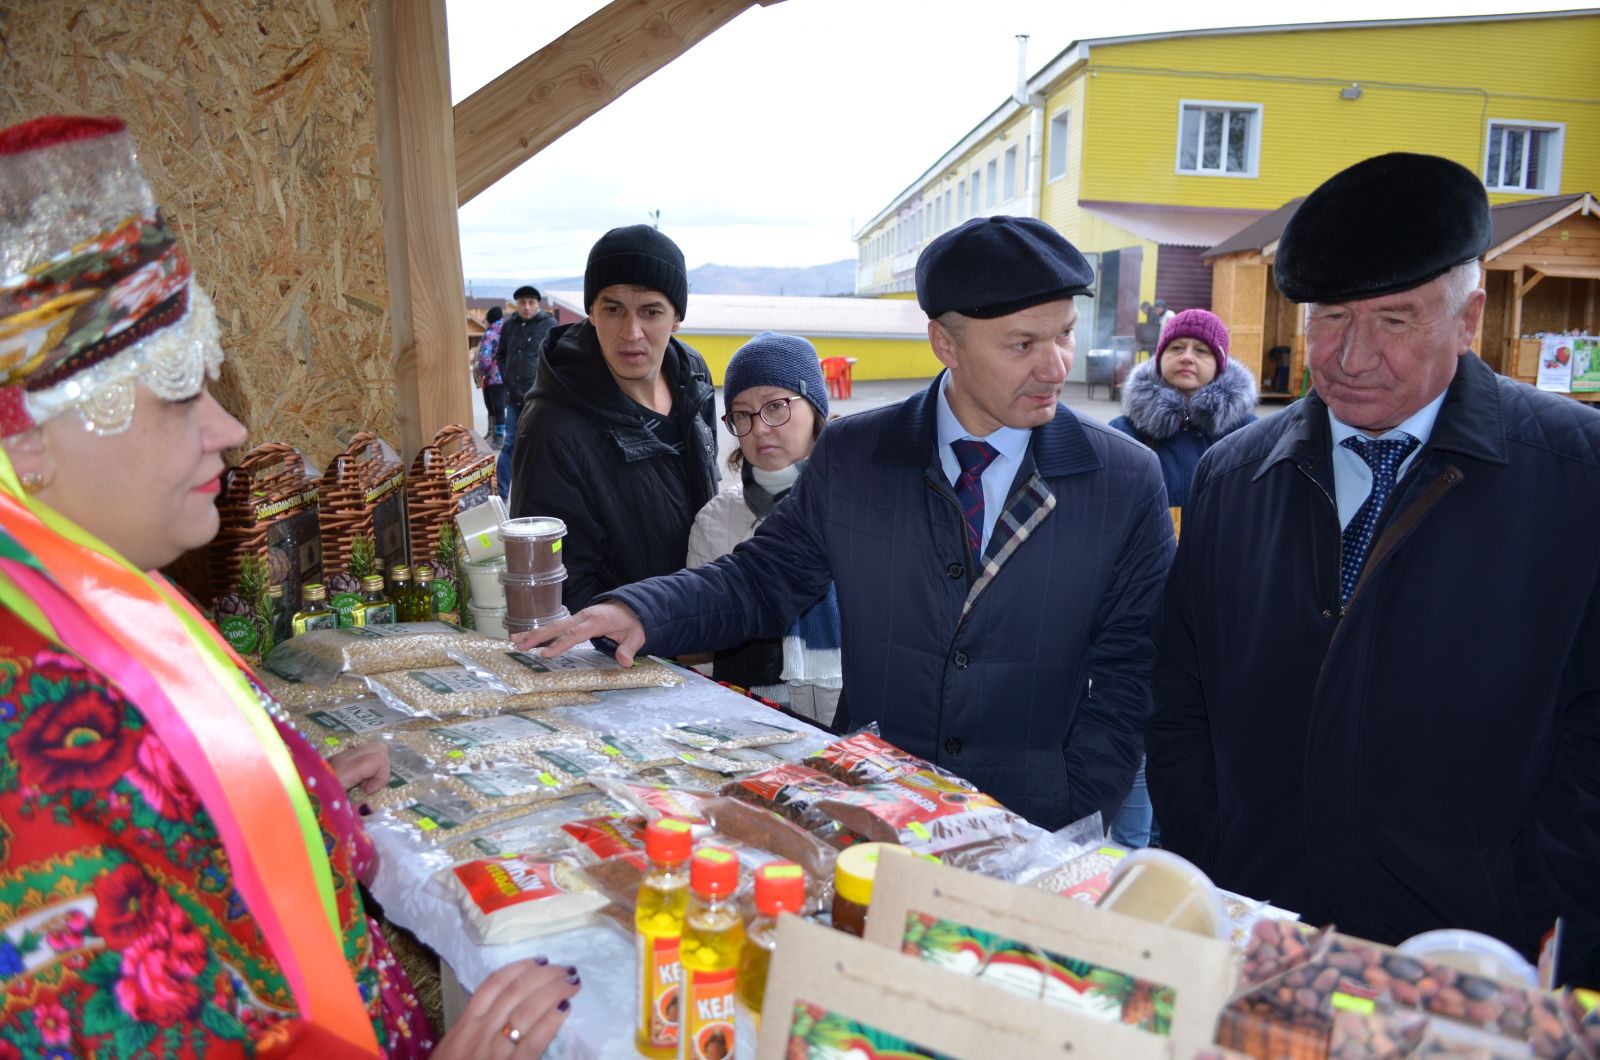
(857,869)
(780,888)
(400,571)
(372,583)
(668,840)
(313,592)
(423,572)
(275,590)
(714,872)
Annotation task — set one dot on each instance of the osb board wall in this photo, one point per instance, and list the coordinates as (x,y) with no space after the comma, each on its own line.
(257,123)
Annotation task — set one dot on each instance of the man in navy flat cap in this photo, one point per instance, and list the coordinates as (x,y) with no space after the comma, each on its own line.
(1379,667)
(998,561)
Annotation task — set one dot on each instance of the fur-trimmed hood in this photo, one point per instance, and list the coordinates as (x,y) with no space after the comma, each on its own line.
(1157,410)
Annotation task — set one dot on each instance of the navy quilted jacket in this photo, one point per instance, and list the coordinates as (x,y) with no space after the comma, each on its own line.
(1003,695)
(1428,756)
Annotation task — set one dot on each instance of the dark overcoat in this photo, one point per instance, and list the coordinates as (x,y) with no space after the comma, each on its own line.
(1027,672)
(1428,755)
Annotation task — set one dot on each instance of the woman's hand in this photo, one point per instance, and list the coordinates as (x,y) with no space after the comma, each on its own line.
(515,1013)
(613,620)
(366,765)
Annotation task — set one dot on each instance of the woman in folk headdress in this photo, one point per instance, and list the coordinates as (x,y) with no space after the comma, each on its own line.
(177,869)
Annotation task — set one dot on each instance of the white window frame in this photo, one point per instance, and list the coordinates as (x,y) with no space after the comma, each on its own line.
(1550,162)
(1010,171)
(961,200)
(1252,150)
(1027,163)
(975,189)
(1060,127)
(991,184)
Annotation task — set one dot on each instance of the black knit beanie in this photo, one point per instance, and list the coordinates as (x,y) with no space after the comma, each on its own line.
(641,255)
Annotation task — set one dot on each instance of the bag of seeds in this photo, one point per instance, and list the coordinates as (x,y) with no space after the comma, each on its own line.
(731,734)
(792,791)
(867,758)
(733,762)
(337,728)
(507,736)
(639,752)
(323,654)
(925,812)
(536,830)
(582,669)
(298,697)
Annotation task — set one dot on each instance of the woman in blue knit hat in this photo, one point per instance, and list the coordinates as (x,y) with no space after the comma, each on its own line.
(1179,403)
(776,404)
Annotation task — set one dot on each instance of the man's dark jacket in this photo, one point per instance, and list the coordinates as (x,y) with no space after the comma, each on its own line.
(1429,757)
(586,455)
(520,344)
(1002,695)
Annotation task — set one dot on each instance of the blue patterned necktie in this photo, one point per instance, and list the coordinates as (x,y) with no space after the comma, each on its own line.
(974,457)
(1384,456)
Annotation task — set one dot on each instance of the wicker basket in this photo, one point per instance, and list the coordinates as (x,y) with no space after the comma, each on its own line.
(267,508)
(363,492)
(452,473)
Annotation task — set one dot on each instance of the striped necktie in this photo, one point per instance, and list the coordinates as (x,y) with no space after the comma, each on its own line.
(1384,456)
(974,457)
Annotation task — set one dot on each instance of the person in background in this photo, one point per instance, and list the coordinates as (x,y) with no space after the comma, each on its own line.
(486,368)
(1379,658)
(182,866)
(1179,404)
(777,405)
(618,436)
(998,560)
(518,348)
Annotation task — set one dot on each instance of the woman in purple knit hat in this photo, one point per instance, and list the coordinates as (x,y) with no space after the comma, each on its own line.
(1179,403)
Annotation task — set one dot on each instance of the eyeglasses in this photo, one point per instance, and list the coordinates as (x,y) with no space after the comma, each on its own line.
(774,413)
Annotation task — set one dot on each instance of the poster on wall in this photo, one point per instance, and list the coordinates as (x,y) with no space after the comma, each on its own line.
(1585,365)
(1555,364)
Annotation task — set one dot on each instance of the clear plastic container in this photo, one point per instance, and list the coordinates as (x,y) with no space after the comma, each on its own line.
(1469,951)
(533,546)
(480,530)
(1162,888)
(484,580)
(513,626)
(533,598)
(490,621)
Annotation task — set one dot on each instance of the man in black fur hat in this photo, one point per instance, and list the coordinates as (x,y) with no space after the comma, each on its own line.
(1379,664)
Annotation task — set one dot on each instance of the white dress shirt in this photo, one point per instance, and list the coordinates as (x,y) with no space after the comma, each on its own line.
(1010,442)
(1352,477)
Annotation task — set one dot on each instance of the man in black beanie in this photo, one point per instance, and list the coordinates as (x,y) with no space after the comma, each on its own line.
(998,560)
(520,341)
(1379,668)
(617,434)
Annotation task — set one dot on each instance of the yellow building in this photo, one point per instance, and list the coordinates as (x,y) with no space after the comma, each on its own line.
(883,338)
(1145,151)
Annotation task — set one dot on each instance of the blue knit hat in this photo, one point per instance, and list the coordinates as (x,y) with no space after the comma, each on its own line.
(773,359)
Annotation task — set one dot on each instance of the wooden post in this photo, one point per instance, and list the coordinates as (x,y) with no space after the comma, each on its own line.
(417,163)
(551,92)
(1516,314)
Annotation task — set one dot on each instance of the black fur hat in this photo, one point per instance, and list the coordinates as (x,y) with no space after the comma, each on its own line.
(1387,224)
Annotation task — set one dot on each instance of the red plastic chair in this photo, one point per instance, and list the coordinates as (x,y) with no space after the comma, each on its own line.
(836,372)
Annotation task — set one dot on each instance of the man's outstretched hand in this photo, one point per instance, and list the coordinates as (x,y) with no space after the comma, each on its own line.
(601,620)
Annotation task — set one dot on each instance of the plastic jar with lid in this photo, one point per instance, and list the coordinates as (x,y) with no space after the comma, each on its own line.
(853,876)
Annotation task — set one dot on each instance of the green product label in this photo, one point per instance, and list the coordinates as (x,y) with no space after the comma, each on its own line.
(344,605)
(444,596)
(241,632)
(818,1034)
(377,614)
(307,623)
(439,817)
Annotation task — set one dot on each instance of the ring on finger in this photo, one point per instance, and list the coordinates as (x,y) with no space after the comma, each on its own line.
(511,1034)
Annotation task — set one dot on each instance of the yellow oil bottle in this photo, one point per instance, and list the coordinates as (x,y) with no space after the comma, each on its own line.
(713,939)
(658,919)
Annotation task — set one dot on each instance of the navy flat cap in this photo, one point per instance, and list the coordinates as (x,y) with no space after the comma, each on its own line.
(992,266)
(1387,224)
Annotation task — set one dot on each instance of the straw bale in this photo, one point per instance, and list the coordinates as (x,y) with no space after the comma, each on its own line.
(258,126)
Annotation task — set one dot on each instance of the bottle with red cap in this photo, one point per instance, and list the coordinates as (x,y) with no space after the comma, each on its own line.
(713,938)
(658,918)
(780,888)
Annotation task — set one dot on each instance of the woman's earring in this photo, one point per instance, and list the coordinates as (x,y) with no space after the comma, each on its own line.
(32,482)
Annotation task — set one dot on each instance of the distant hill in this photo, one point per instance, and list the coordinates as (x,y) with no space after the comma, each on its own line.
(838,277)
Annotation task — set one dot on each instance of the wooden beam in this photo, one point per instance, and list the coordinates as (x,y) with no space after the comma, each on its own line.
(552,91)
(417,166)
(1533,281)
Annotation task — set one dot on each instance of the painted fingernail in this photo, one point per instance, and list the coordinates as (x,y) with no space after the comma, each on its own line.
(541,960)
(564,1005)
(572,970)
(574,980)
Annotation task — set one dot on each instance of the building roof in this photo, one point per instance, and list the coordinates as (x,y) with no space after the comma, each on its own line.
(1258,235)
(747,314)
(1174,226)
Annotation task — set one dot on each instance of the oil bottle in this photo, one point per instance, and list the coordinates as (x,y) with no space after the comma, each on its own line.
(780,888)
(376,608)
(713,937)
(422,595)
(314,611)
(658,920)
(400,591)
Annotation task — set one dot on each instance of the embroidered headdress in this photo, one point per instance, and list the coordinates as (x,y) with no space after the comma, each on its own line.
(96,295)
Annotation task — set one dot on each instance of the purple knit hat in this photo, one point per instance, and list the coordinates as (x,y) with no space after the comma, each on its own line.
(1199,324)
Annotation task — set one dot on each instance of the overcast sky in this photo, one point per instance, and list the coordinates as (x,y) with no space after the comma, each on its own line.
(772,141)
